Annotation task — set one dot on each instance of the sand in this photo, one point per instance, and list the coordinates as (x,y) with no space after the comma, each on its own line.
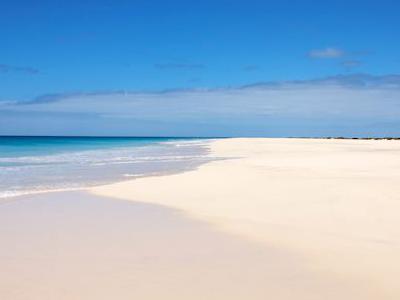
(332,206)
(275,219)
(74,245)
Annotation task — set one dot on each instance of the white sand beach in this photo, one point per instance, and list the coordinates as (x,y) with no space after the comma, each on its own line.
(332,204)
(275,219)
(78,246)
(199,150)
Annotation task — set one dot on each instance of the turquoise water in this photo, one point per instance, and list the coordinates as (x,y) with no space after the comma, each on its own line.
(22,146)
(32,164)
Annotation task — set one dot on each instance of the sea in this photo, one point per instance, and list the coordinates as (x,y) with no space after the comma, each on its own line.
(37,164)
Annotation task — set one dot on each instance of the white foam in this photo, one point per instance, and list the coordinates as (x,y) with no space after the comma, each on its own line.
(74,170)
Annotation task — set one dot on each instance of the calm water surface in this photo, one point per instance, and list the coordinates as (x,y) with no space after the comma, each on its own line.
(32,164)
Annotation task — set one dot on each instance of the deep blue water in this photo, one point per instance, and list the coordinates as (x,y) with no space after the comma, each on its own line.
(32,164)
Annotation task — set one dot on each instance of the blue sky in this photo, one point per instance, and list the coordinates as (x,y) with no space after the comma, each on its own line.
(85,47)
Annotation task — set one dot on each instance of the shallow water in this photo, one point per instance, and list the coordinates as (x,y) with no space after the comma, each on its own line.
(34,164)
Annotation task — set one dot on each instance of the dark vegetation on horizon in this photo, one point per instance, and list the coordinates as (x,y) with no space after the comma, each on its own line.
(351,138)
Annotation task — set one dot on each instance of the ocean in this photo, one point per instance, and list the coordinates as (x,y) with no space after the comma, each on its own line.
(35,164)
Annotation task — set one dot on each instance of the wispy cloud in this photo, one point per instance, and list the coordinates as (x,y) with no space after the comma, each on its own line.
(350,64)
(251,68)
(179,66)
(4,68)
(340,105)
(194,80)
(327,53)
(348,60)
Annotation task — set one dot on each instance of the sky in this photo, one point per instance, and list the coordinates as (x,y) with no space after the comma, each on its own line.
(200,68)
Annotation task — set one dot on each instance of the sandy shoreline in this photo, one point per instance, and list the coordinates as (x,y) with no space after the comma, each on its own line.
(277,219)
(333,202)
(74,245)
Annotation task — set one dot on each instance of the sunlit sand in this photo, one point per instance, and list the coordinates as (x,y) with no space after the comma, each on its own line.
(77,246)
(270,219)
(333,204)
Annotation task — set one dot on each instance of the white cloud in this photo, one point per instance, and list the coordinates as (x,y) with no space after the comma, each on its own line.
(329,52)
(341,105)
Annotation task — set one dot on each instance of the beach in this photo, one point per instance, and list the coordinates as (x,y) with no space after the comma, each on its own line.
(263,219)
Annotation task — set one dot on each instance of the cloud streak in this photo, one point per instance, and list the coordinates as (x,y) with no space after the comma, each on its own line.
(349,60)
(251,68)
(326,53)
(4,68)
(351,64)
(353,105)
(178,66)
